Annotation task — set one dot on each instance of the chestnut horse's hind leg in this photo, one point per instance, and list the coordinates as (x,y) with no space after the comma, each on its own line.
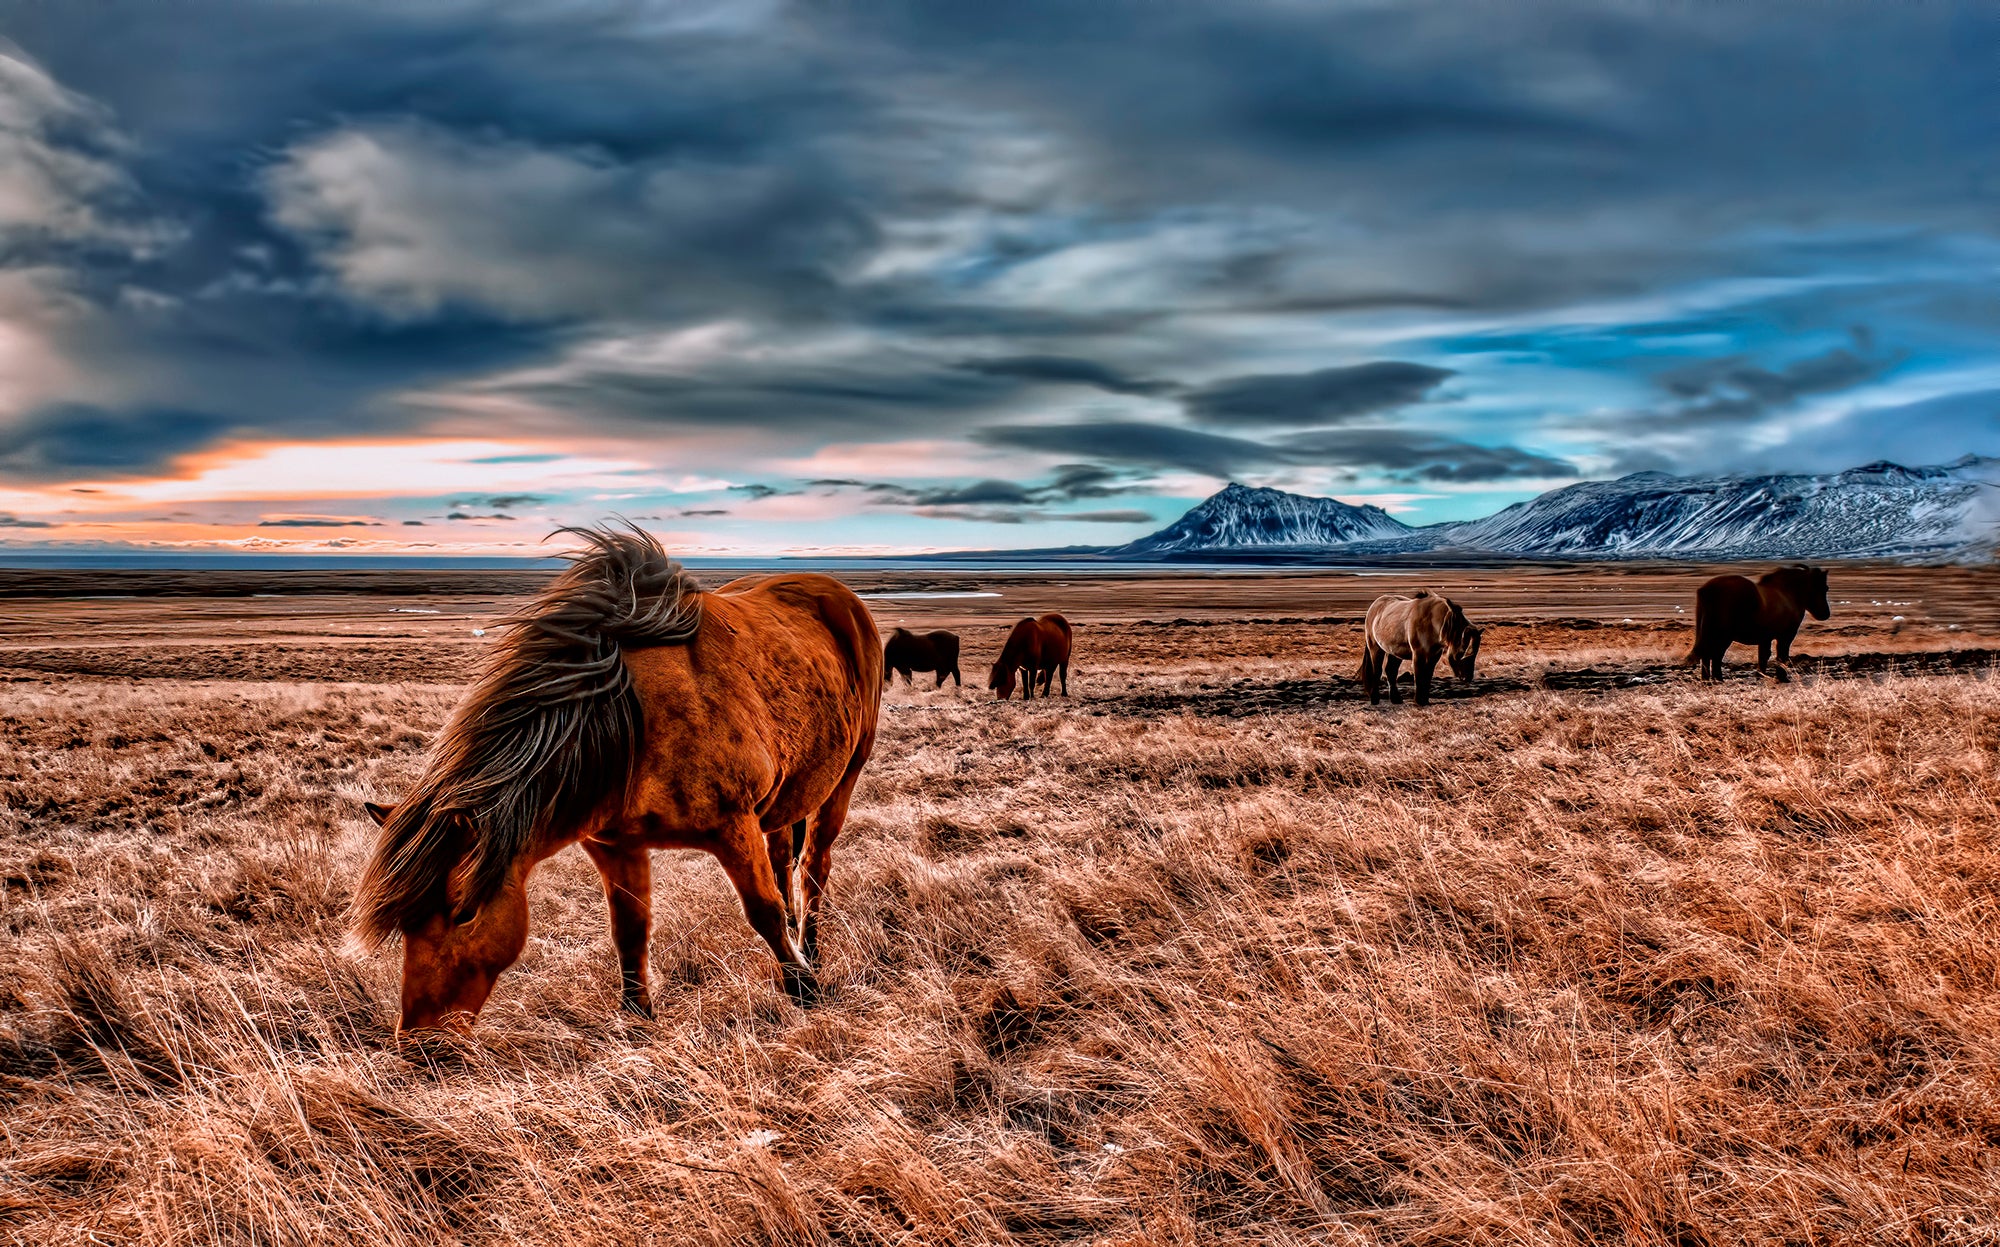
(744,852)
(628,886)
(1392,668)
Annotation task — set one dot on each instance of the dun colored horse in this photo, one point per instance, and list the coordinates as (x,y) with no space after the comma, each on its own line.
(628,710)
(1418,630)
(1039,648)
(908,652)
(1731,610)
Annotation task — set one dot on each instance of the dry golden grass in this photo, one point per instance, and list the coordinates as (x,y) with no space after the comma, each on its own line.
(1668,964)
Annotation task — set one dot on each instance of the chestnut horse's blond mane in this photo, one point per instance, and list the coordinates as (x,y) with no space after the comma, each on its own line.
(550,730)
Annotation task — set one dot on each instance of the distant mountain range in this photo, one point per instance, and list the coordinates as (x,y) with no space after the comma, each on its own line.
(1882,510)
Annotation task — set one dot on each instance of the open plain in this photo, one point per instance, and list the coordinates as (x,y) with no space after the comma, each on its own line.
(1211,951)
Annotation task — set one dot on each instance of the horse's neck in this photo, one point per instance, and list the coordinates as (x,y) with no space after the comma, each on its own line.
(1778,594)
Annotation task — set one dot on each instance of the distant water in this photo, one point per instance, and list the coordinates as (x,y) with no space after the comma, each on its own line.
(177,560)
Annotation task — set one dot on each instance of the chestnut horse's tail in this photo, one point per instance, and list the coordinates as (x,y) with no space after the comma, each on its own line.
(551,729)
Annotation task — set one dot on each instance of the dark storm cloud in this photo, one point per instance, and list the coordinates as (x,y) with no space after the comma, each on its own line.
(1067,370)
(70,440)
(319,521)
(1032,515)
(1139,443)
(1089,480)
(501,502)
(286,216)
(867,397)
(1407,454)
(1071,482)
(1417,456)
(1735,390)
(1328,396)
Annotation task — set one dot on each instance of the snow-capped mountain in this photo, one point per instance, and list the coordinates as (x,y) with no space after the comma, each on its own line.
(1242,518)
(1883,509)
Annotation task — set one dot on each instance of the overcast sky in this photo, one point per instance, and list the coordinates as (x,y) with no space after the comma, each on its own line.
(864,276)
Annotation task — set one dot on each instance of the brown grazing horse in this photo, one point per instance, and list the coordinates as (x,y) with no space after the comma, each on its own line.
(1418,630)
(908,653)
(1037,647)
(1730,610)
(628,710)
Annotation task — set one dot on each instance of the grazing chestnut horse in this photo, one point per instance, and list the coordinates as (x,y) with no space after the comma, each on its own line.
(1038,647)
(908,653)
(628,710)
(1418,630)
(1730,610)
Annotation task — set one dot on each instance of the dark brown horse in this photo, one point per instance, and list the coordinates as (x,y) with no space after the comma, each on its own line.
(1039,648)
(908,652)
(628,710)
(1731,610)
(1419,630)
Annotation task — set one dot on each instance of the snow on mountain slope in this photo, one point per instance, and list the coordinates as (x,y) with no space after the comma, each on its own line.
(1881,509)
(1242,518)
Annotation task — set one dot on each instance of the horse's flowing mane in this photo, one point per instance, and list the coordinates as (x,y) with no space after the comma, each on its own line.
(550,730)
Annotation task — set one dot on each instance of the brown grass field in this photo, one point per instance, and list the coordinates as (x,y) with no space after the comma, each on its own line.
(1211,952)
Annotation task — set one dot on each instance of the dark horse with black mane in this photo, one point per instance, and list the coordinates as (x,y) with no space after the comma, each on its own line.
(628,710)
(1731,610)
(1039,648)
(908,653)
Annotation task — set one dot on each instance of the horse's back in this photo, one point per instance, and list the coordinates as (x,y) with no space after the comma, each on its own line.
(944,647)
(1726,609)
(1023,643)
(1386,626)
(769,705)
(1055,639)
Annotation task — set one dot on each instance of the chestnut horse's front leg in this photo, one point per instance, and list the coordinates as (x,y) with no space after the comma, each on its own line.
(628,886)
(1421,670)
(744,852)
(827,825)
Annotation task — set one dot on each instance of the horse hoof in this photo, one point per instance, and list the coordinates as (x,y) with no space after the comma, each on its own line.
(802,985)
(638,1006)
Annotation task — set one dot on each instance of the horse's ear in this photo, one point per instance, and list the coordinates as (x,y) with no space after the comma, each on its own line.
(380,813)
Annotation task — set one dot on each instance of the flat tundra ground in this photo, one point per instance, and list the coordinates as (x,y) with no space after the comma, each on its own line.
(1210,952)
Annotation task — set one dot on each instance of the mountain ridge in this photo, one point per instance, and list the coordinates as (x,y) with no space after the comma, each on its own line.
(1878,510)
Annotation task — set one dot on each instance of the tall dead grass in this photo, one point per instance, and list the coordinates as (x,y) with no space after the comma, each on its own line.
(1680,965)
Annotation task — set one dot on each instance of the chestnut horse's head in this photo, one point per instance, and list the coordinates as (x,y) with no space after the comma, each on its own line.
(1001,679)
(453,953)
